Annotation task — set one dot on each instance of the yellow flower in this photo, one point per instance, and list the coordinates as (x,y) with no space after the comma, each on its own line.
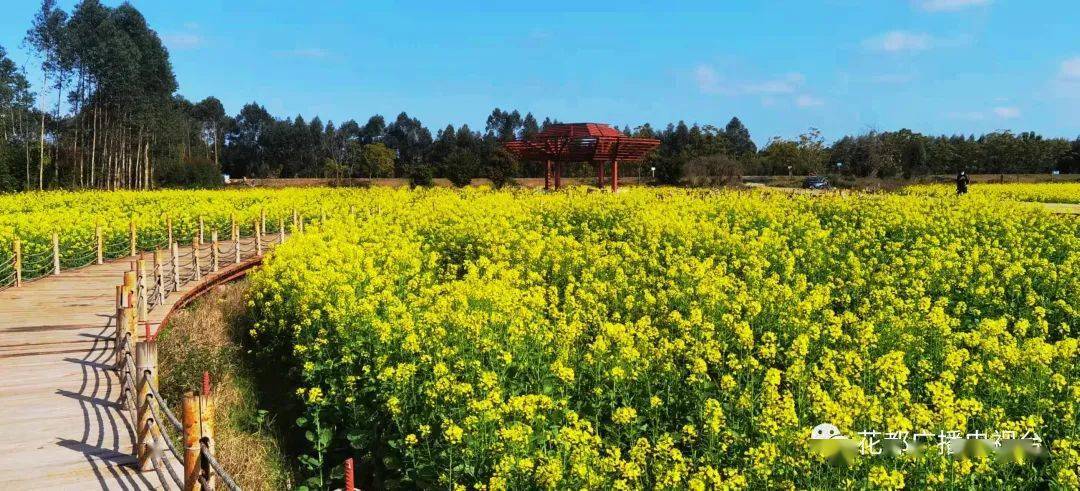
(624,415)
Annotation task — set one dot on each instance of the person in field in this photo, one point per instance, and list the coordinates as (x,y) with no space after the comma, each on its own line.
(961,183)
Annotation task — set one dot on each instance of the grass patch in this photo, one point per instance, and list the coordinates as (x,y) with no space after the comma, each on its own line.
(208,336)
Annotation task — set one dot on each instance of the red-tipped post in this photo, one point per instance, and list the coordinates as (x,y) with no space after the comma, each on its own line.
(206,383)
(349,483)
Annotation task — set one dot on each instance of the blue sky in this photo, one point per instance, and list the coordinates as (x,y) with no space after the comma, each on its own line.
(936,66)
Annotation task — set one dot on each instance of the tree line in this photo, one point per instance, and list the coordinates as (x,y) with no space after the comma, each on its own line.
(108,117)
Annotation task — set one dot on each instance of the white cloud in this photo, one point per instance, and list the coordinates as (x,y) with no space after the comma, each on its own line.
(784,85)
(182,40)
(312,53)
(949,5)
(900,41)
(967,115)
(892,78)
(708,81)
(1000,112)
(1007,112)
(1070,69)
(806,101)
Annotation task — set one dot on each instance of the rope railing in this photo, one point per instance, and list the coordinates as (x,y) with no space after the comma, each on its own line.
(82,249)
(145,289)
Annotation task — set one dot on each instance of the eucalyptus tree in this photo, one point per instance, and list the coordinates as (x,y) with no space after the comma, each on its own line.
(16,107)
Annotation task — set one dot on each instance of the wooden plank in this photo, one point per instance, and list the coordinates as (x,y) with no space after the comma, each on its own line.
(63,425)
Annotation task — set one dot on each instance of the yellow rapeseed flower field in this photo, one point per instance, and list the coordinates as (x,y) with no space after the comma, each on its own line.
(1058,192)
(74,216)
(663,338)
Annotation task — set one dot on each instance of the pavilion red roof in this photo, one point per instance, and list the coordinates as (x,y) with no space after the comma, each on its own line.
(582,142)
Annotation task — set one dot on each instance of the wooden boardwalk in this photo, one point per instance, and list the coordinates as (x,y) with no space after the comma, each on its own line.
(61,422)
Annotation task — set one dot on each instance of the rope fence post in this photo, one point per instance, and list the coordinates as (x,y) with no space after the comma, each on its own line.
(141,288)
(118,343)
(213,251)
(201,228)
(295,219)
(195,258)
(159,277)
(100,244)
(146,356)
(198,429)
(258,239)
(168,226)
(134,243)
(125,320)
(56,252)
(262,219)
(18,261)
(301,223)
(175,263)
(281,232)
(235,241)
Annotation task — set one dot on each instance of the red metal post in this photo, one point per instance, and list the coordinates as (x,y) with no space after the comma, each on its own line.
(614,175)
(600,174)
(349,482)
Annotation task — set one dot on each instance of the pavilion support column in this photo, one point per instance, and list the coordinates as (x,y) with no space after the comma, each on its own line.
(558,175)
(600,174)
(614,175)
(547,176)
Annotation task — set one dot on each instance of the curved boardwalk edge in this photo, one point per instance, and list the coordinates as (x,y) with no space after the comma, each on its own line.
(63,421)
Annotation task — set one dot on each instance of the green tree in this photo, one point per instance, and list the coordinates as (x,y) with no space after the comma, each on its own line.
(461,167)
(377,160)
(500,166)
(738,138)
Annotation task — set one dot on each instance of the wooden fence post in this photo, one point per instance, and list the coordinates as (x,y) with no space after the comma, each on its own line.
(134,244)
(262,219)
(174,261)
(213,251)
(235,241)
(198,428)
(202,237)
(258,239)
(301,223)
(141,294)
(295,220)
(125,324)
(281,232)
(195,246)
(56,252)
(18,262)
(159,277)
(100,245)
(168,225)
(322,216)
(146,365)
(118,335)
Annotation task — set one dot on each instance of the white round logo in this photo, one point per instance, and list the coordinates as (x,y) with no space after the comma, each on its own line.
(825,431)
